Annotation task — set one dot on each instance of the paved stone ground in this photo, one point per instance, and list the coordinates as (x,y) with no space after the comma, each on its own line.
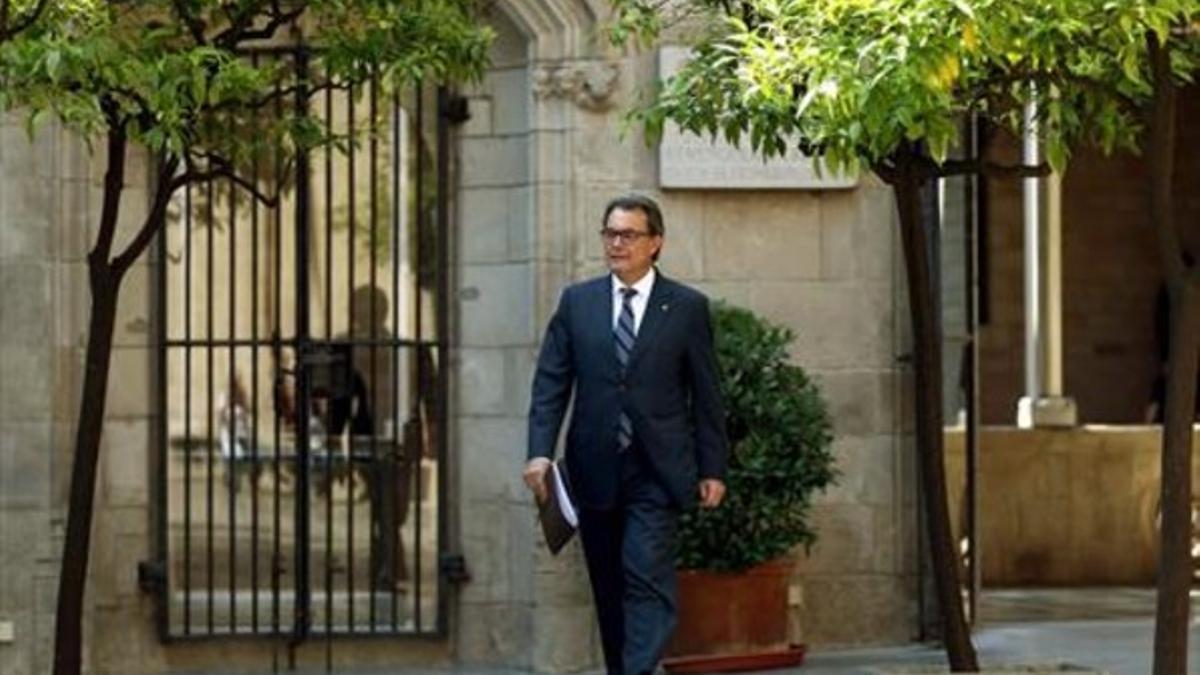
(1101,630)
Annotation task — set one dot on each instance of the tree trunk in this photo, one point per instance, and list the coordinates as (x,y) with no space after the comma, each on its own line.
(927,349)
(104,280)
(1175,551)
(68,638)
(1175,536)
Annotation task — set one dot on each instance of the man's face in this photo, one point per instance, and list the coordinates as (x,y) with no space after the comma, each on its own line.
(629,247)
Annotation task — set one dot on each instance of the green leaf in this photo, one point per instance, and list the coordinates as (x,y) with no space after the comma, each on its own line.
(781,433)
(53,61)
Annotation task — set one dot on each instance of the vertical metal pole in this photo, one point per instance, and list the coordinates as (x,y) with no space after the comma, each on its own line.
(254,416)
(1033,295)
(397,436)
(931,220)
(419,272)
(208,350)
(329,458)
(351,199)
(187,409)
(443,331)
(277,346)
(161,484)
(377,471)
(304,381)
(281,381)
(231,462)
(971,526)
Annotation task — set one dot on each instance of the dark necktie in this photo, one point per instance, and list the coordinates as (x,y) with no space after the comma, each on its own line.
(624,335)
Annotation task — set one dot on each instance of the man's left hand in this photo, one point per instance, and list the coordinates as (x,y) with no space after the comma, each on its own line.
(712,491)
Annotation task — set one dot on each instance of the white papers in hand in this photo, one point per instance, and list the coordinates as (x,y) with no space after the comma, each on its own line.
(564,500)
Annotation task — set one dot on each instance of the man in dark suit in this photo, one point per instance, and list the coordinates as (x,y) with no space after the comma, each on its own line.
(647,430)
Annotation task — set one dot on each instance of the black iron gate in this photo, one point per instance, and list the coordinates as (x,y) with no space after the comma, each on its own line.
(303,384)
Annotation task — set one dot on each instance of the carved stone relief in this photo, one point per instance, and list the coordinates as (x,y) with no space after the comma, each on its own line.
(590,84)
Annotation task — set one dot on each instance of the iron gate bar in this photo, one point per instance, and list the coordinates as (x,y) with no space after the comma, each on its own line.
(254,171)
(441,162)
(187,418)
(397,202)
(304,379)
(353,227)
(372,211)
(419,266)
(231,386)
(159,486)
(292,350)
(975,217)
(276,556)
(328,339)
(208,351)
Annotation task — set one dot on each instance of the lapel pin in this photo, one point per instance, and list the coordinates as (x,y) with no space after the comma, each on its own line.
(666,306)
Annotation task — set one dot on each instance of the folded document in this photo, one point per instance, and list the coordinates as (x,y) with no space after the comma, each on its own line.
(557,513)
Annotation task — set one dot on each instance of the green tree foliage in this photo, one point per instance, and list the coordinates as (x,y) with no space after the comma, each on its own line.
(173,74)
(855,81)
(780,435)
(19,16)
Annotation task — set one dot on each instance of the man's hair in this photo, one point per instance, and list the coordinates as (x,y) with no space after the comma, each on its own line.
(636,202)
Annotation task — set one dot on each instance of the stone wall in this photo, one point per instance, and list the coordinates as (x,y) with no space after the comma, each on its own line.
(1073,507)
(823,265)
(495,280)
(50,192)
(30,506)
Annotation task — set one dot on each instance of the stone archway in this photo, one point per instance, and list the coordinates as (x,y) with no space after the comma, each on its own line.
(514,226)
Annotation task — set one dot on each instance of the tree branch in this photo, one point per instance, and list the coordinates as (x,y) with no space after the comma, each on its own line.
(8,32)
(193,23)
(278,95)
(1161,124)
(980,167)
(168,183)
(153,223)
(886,172)
(224,169)
(114,181)
(240,27)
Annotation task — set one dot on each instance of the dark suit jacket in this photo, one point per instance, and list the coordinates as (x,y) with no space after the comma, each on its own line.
(669,391)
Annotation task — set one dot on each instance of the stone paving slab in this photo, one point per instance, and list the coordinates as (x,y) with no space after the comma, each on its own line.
(1111,647)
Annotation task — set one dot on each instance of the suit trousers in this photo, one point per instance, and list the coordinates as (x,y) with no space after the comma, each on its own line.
(631,564)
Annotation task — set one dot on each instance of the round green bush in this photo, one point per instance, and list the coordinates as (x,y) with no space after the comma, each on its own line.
(780,437)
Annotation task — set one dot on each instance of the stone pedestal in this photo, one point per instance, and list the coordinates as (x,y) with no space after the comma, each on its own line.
(1047,412)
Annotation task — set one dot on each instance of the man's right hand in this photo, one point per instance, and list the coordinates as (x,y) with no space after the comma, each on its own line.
(535,477)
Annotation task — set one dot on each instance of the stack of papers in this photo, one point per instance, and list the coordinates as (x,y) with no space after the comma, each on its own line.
(557,512)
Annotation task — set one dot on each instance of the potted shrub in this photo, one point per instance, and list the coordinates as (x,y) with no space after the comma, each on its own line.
(734,561)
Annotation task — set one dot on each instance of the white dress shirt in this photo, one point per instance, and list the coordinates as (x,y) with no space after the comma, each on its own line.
(639,302)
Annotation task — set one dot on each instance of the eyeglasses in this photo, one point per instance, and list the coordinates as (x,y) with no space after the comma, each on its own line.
(611,236)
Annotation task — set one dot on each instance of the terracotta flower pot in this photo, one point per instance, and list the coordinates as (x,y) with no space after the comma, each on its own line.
(729,613)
